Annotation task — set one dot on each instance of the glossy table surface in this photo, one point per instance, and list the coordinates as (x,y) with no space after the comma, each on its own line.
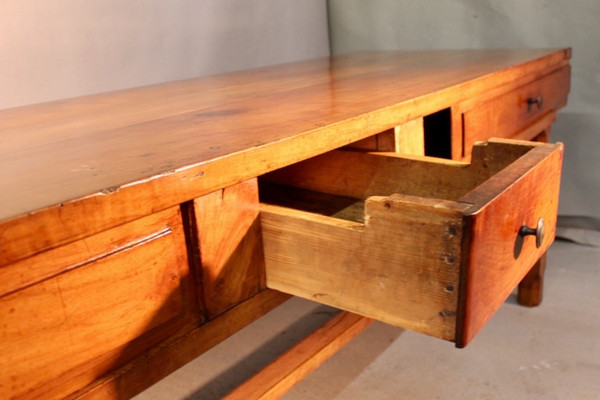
(60,151)
(113,157)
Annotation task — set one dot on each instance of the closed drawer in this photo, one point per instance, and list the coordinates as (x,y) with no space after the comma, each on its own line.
(69,315)
(506,115)
(425,244)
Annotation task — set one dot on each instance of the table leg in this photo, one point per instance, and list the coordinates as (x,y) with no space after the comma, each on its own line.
(531,287)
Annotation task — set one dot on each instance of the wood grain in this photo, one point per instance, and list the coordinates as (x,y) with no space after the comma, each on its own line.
(105,306)
(410,138)
(518,195)
(420,255)
(507,115)
(93,158)
(230,243)
(281,375)
(395,268)
(360,175)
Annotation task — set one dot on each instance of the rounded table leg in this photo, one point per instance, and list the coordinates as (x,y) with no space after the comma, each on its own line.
(531,288)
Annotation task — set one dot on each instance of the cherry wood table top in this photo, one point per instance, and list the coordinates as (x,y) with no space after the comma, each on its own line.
(112,157)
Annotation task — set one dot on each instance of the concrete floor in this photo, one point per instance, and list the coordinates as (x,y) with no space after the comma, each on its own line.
(549,352)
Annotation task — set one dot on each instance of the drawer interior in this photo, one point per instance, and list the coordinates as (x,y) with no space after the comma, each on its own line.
(425,244)
(337,184)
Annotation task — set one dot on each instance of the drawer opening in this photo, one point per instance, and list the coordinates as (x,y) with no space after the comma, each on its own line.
(422,243)
(310,201)
(437,132)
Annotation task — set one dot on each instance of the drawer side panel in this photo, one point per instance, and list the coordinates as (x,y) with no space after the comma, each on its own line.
(401,269)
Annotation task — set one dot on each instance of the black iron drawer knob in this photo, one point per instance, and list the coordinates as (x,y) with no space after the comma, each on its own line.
(539,232)
(535,100)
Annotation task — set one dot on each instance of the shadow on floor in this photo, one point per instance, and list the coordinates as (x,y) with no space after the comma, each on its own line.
(238,373)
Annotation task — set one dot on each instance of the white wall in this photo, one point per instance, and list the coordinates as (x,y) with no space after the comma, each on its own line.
(52,49)
(432,24)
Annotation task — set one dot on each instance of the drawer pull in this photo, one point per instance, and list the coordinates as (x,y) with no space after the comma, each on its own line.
(535,100)
(538,231)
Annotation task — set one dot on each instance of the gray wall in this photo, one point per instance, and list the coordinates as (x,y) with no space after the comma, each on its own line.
(432,24)
(52,49)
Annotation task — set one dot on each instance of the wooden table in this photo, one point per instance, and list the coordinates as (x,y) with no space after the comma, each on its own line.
(134,234)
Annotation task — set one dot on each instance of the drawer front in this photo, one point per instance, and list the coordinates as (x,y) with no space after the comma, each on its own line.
(499,256)
(505,116)
(85,308)
(422,253)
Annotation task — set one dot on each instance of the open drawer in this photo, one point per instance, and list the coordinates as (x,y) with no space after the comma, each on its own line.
(430,245)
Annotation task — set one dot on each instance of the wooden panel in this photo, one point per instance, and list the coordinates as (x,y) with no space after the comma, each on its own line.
(407,138)
(506,115)
(296,363)
(369,144)
(19,275)
(62,331)
(400,267)
(224,130)
(360,175)
(410,138)
(384,141)
(230,246)
(529,191)
(457,147)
